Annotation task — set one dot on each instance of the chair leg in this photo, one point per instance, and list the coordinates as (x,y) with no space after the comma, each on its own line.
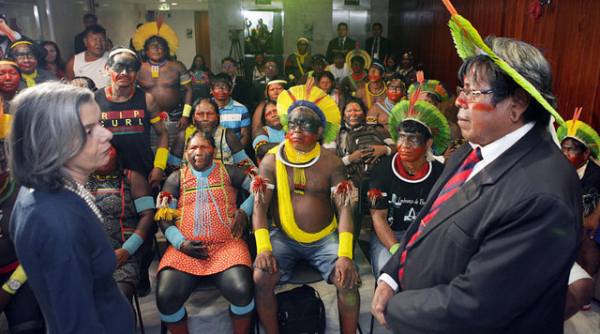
(138,312)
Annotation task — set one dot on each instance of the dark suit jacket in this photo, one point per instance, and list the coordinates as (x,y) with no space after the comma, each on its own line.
(497,255)
(385,48)
(334,47)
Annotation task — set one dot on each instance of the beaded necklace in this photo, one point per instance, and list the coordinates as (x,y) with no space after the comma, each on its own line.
(109,93)
(155,68)
(80,191)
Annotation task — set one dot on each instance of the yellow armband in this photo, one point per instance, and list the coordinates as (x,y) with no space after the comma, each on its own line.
(263,242)
(160,159)
(394,248)
(155,120)
(345,247)
(16,280)
(292,77)
(187,109)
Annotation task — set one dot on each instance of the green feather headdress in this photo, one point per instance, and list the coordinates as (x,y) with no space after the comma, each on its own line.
(583,133)
(423,113)
(432,86)
(469,43)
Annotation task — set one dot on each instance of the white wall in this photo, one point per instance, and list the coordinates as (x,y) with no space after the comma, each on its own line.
(224,15)
(180,21)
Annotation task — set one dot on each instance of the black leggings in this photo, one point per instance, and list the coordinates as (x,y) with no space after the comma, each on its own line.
(174,287)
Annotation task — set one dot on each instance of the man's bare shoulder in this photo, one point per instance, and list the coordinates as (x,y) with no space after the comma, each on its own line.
(330,158)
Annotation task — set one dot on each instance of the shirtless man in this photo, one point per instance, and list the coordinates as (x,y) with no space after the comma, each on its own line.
(374,90)
(379,113)
(304,216)
(161,75)
(357,78)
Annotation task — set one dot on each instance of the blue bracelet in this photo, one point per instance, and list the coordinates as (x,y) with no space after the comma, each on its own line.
(174,236)
(133,243)
(173,317)
(248,206)
(144,203)
(173,160)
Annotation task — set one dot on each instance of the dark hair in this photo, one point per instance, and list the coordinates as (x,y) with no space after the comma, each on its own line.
(396,76)
(206,135)
(377,24)
(527,61)
(40,52)
(111,58)
(60,63)
(355,100)
(160,41)
(90,16)
(94,29)
(264,109)
(222,78)
(193,67)
(412,126)
(319,61)
(228,59)
(209,100)
(359,59)
(342,24)
(326,74)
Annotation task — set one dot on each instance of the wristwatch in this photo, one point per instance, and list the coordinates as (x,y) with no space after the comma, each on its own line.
(13,284)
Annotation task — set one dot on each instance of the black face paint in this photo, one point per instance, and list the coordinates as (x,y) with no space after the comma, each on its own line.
(129,65)
(305,119)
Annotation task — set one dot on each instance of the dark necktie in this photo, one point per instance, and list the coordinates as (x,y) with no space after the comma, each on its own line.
(376,46)
(341,43)
(450,188)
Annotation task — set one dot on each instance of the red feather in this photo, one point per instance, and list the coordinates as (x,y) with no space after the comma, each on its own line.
(374,195)
(163,115)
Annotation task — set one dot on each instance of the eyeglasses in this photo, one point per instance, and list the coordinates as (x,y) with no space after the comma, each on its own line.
(473,95)
(22,56)
(412,139)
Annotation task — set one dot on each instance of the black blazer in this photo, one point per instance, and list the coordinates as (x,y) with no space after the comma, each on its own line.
(385,48)
(334,47)
(497,255)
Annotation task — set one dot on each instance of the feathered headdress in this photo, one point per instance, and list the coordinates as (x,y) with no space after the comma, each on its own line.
(583,133)
(423,113)
(433,87)
(358,52)
(317,100)
(469,43)
(158,28)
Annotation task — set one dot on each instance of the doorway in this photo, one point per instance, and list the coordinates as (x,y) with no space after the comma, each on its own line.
(202,26)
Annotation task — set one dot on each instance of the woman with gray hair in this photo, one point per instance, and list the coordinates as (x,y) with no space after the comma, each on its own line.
(55,143)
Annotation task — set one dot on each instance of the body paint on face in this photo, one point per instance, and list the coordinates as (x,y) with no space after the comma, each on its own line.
(9,78)
(221,95)
(111,165)
(481,106)
(374,77)
(411,154)
(577,160)
(205,118)
(271,116)
(394,96)
(199,153)
(303,127)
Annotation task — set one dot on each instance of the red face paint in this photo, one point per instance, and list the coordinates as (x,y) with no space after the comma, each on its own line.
(394,96)
(302,139)
(220,95)
(577,160)
(199,153)
(9,78)
(475,106)
(374,77)
(410,154)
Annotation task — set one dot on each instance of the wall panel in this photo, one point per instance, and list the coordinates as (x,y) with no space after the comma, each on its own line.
(568,33)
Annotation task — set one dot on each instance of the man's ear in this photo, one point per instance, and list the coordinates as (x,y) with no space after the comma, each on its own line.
(429,143)
(587,153)
(519,104)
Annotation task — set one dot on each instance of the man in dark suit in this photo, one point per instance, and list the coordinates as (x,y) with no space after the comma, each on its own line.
(378,47)
(495,255)
(342,43)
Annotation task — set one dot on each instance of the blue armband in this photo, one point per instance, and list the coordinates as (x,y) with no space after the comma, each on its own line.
(246,184)
(144,203)
(240,157)
(239,310)
(133,243)
(174,236)
(248,206)
(258,139)
(175,317)
(173,160)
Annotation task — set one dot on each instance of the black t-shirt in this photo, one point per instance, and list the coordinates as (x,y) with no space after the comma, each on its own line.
(129,122)
(403,197)
(591,187)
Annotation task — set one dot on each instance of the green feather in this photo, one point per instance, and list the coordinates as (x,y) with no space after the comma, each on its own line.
(467,40)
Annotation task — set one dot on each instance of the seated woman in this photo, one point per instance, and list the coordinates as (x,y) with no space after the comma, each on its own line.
(10,78)
(205,237)
(27,55)
(54,62)
(272,91)
(271,134)
(229,149)
(360,145)
(124,199)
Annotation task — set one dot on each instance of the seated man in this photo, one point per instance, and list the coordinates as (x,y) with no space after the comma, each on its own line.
(374,90)
(399,185)
(298,63)
(358,77)
(233,114)
(205,238)
(271,134)
(580,142)
(304,215)
(318,68)
(339,69)
(326,81)
(360,145)
(229,150)
(380,111)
